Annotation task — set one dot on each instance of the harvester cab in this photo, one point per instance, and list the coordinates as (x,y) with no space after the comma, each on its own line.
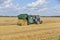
(30,19)
(34,19)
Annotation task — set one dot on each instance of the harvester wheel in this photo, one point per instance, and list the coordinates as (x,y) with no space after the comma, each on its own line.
(28,23)
(41,22)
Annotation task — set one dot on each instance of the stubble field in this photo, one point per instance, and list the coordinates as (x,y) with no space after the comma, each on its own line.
(9,30)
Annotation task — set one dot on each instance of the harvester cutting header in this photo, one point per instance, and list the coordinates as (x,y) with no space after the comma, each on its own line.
(25,19)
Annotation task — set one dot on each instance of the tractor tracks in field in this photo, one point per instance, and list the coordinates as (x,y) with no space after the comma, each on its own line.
(29,30)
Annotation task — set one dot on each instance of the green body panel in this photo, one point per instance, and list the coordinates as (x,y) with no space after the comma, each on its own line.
(30,19)
(22,16)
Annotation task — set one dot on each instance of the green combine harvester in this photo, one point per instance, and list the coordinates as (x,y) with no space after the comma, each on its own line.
(31,19)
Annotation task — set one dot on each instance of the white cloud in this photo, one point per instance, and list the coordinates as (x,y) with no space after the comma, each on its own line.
(37,2)
(4,2)
(38,7)
(57,9)
(51,11)
(7,1)
(9,4)
(41,7)
(8,8)
(44,9)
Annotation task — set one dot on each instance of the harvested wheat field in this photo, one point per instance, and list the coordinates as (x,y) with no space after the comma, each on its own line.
(9,30)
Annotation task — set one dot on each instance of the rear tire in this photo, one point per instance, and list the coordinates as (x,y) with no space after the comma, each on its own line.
(28,24)
(41,22)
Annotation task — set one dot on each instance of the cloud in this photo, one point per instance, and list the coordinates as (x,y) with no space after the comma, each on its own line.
(4,2)
(9,11)
(39,7)
(57,9)
(8,8)
(37,2)
(35,7)
(50,11)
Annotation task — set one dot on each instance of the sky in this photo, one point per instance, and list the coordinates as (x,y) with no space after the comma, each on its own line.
(33,7)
